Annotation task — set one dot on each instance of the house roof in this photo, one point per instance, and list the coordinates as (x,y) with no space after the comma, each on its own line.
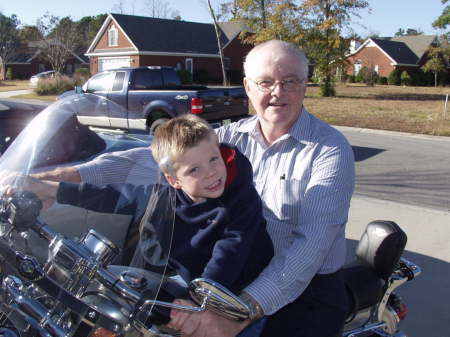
(31,50)
(398,51)
(406,50)
(149,34)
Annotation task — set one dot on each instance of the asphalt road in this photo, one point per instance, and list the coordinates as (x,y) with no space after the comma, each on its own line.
(405,168)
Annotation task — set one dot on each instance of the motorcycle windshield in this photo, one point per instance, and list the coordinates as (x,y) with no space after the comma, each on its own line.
(108,235)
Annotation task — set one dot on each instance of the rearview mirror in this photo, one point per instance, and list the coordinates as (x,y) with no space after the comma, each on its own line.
(218,299)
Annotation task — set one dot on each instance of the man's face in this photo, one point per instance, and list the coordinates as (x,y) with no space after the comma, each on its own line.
(278,107)
(200,172)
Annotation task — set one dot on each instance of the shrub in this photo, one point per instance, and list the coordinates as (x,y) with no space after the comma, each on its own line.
(351,79)
(185,76)
(54,86)
(382,80)
(9,74)
(405,78)
(394,77)
(202,76)
(81,75)
(367,75)
(235,76)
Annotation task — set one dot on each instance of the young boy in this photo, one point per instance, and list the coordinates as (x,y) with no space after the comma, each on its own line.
(219,232)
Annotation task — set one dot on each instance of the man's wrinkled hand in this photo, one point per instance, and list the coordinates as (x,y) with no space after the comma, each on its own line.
(203,324)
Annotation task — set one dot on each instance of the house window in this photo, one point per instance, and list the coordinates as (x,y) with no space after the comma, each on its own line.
(376,68)
(41,67)
(113,37)
(357,67)
(189,64)
(69,68)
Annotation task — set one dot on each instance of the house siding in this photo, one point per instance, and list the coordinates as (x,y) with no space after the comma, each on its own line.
(370,57)
(123,41)
(236,52)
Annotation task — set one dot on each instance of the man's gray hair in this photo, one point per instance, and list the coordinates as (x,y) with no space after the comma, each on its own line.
(277,46)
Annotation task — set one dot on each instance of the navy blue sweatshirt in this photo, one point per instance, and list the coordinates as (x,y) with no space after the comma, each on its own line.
(223,239)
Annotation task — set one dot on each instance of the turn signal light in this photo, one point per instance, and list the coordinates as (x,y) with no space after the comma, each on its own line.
(197,106)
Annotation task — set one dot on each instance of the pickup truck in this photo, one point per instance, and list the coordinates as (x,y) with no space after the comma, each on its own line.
(142,98)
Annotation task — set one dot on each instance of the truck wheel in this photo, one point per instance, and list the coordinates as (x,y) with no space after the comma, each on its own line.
(156,124)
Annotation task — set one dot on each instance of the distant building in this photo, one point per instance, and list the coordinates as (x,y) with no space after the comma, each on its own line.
(386,54)
(128,40)
(29,61)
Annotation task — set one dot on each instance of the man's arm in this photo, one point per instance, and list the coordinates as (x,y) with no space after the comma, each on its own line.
(323,213)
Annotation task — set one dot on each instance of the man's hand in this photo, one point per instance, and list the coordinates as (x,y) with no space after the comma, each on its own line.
(204,324)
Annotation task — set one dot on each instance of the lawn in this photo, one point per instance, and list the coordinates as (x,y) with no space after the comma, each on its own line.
(396,108)
(14,85)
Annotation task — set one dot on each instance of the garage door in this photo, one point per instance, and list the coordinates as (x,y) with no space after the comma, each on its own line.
(113,62)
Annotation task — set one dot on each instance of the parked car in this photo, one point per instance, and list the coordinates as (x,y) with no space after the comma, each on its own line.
(40,76)
(144,97)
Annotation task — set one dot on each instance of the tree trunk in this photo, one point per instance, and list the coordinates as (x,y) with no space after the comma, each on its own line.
(435,79)
(219,44)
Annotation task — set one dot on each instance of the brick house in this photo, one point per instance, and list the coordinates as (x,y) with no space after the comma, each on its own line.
(29,61)
(128,40)
(386,54)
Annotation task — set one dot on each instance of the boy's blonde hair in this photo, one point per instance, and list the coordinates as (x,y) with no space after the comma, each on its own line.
(175,137)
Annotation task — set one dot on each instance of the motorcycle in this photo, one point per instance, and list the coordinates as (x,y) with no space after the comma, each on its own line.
(57,281)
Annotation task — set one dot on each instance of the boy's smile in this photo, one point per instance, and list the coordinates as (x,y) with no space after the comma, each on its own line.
(200,172)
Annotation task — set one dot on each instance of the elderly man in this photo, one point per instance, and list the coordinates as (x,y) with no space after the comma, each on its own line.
(304,172)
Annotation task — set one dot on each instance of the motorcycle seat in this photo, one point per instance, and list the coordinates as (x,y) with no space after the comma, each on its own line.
(364,287)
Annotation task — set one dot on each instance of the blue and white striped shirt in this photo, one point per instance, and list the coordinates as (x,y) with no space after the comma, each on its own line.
(135,166)
(306,180)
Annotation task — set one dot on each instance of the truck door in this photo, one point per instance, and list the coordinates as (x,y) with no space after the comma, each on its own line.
(117,101)
(142,93)
(93,105)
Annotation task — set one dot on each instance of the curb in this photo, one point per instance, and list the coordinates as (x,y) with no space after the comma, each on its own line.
(391,133)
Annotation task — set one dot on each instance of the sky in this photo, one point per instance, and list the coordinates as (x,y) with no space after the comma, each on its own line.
(384,18)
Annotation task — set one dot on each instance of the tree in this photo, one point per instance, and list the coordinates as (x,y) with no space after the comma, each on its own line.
(267,19)
(400,32)
(87,28)
(9,41)
(324,21)
(29,33)
(405,78)
(444,19)
(219,43)
(160,9)
(119,7)
(435,63)
(60,39)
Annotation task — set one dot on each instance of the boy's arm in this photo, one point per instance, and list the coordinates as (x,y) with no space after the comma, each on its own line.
(120,199)
(68,173)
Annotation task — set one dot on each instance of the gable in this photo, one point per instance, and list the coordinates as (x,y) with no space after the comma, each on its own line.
(102,43)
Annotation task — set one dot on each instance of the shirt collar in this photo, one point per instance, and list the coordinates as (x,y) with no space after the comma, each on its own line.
(300,131)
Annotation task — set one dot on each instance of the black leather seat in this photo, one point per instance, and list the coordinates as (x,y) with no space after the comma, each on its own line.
(378,253)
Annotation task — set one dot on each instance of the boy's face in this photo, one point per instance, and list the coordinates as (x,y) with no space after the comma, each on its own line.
(200,172)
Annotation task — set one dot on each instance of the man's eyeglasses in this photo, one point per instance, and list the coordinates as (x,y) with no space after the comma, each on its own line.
(290,84)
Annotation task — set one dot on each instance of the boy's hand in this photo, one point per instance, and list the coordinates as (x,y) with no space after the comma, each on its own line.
(45,190)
